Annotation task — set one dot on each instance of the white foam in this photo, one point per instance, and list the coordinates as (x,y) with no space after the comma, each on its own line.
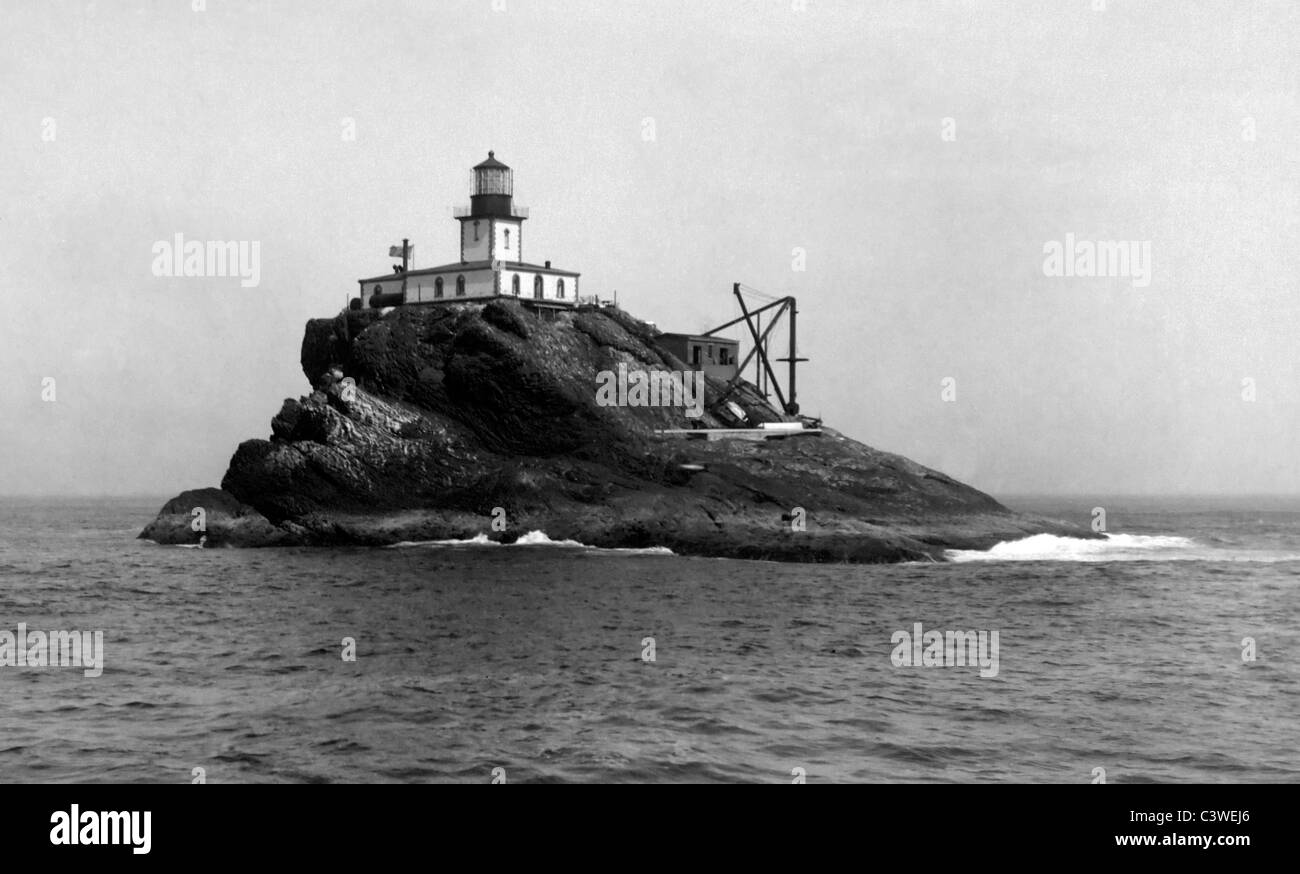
(539,538)
(1115,547)
(476,540)
(534,538)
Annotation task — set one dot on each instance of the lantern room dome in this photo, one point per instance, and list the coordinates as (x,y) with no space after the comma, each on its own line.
(491,163)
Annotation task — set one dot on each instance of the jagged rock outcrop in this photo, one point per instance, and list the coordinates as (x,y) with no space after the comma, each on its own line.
(222,521)
(424,420)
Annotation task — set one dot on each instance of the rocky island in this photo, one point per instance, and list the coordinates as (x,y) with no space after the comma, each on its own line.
(432,422)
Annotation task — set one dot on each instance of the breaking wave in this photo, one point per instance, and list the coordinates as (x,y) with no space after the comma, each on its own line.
(532,538)
(1116,547)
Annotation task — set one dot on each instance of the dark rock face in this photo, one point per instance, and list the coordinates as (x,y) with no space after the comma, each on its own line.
(222,521)
(425,419)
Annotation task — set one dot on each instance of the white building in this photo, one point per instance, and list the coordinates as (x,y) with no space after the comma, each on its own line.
(491,256)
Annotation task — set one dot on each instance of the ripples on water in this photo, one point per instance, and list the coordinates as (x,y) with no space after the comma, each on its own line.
(529,658)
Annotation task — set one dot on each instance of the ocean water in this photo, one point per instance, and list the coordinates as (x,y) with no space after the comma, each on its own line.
(1125,655)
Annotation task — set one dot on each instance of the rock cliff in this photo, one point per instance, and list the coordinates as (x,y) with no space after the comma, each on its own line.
(427,422)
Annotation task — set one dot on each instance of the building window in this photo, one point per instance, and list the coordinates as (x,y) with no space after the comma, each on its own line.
(437,287)
(379,289)
(722,355)
(514,285)
(507,238)
(559,288)
(460,286)
(537,287)
(476,232)
(695,355)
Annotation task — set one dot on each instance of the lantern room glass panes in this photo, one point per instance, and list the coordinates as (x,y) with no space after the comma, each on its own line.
(492,180)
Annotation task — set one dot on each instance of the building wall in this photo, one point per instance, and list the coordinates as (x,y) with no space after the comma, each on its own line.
(478,283)
(710,350)
(550,285)
(719,371)
(502,252)
(675,345)
(486,248)
(420,289)
(475,250)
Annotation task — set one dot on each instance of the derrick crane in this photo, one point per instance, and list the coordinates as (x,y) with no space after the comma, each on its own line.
(759,336)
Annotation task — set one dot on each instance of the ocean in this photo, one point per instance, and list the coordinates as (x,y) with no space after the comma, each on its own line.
(1167,653)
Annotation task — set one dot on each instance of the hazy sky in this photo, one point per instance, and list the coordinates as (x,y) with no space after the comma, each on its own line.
(124,123)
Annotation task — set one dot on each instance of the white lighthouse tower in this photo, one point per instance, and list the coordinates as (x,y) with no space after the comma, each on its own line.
(491,229)
(491,257)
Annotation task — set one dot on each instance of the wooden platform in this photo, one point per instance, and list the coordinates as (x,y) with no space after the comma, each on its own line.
(734,433)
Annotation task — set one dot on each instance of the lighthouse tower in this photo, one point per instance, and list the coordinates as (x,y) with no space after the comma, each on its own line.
(492,228)
(491,257)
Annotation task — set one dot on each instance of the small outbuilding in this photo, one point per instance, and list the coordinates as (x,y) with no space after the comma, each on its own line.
(716,356)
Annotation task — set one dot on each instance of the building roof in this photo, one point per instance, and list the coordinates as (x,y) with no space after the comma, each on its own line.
(491,163)
(537,268)
(469,266)
(458,267)
(705,337)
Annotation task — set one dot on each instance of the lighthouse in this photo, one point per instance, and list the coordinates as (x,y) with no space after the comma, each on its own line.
(491,257)
(492,224)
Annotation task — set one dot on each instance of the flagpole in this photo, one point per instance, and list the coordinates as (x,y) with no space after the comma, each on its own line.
(404,253)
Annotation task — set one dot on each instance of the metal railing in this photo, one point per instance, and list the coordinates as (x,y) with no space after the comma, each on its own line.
(466,211)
